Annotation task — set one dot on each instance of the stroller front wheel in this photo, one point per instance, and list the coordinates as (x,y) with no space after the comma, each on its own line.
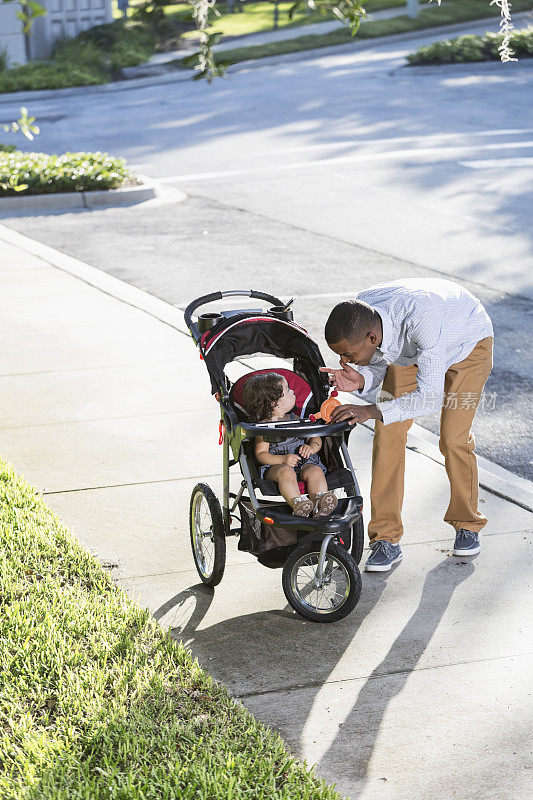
(327,600)
(208,540)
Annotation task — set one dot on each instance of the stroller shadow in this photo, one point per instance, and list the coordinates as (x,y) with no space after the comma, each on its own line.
(274,652)
(266,650)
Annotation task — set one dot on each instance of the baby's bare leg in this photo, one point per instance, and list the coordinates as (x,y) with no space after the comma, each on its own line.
(315,480)
(285,477)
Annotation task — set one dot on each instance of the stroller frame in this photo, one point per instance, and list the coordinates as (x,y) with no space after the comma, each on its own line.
(321,536)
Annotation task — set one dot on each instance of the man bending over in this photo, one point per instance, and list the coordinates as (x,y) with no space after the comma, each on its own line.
(430,342)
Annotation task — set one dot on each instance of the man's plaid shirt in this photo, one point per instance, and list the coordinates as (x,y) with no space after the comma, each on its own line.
(430,322)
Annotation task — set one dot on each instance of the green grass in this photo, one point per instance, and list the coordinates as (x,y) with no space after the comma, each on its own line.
(454,11)
(97,702)
(259,17)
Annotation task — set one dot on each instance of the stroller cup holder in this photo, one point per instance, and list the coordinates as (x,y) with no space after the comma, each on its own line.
(280,313)
(208,321)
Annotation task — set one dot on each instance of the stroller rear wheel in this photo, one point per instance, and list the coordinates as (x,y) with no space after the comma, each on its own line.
(358,539)
(207,534)
(326,600)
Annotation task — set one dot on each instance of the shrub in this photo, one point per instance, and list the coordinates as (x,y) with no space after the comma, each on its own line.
(71,53)
(70,172)
(523,42)
(115,38)
(4,59)
(112,34)
(468,48)
(94,56)
(473,48)
(47,75)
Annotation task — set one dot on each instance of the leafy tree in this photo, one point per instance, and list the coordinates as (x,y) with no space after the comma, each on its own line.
(29,10)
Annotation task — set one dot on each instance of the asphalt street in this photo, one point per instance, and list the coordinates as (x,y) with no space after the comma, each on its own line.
(315,176)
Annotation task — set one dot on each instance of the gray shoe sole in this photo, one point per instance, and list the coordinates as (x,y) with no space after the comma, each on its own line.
(384,567)
(472,552)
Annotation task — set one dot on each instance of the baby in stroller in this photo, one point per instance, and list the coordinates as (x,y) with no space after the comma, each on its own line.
(267,398)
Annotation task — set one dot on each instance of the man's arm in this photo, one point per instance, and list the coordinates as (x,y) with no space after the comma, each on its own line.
(425,333)
(373,374)
(358,380)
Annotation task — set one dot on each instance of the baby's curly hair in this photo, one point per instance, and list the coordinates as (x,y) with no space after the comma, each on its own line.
(261,393)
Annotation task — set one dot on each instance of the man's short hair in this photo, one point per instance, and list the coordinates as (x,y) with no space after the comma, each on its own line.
(351,320)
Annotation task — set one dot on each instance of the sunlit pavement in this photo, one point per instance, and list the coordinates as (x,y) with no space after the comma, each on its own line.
(108,411)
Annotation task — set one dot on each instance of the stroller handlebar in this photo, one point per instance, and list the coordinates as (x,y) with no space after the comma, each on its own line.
(271,432)
(211,298)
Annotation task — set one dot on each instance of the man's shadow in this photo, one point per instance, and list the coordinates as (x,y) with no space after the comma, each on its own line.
(270,651)
(356,739)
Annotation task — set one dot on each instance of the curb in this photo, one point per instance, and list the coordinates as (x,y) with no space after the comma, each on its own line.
(188,75)
(492,477)
(106,198)
(115,86)
(108,284)
(460,67)
(85,199)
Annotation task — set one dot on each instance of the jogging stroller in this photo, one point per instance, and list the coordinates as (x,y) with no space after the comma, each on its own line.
(319,555)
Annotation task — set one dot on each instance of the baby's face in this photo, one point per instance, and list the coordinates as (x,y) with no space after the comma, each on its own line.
(287,400)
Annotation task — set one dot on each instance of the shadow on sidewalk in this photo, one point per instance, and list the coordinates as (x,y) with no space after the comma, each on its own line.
(364,722)
(274,652)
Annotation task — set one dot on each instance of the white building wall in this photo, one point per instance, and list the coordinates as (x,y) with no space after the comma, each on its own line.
(11,36)
(65,18)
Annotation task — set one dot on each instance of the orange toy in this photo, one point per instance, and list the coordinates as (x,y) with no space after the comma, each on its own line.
(327,408)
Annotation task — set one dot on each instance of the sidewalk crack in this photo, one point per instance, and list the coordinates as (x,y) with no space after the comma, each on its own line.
(374,676)
(47,493)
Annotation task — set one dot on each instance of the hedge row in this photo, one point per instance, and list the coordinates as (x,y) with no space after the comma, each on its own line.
(473,48)
(41,173)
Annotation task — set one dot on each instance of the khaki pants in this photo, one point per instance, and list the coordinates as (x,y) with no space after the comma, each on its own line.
(463,384)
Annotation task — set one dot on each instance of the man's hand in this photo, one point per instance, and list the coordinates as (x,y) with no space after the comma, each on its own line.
(291,459)
(355,413)
(345,379)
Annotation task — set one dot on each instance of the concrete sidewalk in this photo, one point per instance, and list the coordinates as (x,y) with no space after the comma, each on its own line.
(422,691)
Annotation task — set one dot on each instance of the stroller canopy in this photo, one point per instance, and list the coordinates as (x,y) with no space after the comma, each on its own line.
(244,335)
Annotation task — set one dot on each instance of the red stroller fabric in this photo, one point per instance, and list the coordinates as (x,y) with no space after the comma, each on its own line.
(299,385)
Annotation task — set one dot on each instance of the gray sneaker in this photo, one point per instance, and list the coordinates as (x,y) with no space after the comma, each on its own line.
(384,555)
(466,543)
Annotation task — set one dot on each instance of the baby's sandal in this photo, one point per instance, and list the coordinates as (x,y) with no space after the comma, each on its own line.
(325,504)
(302,507)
